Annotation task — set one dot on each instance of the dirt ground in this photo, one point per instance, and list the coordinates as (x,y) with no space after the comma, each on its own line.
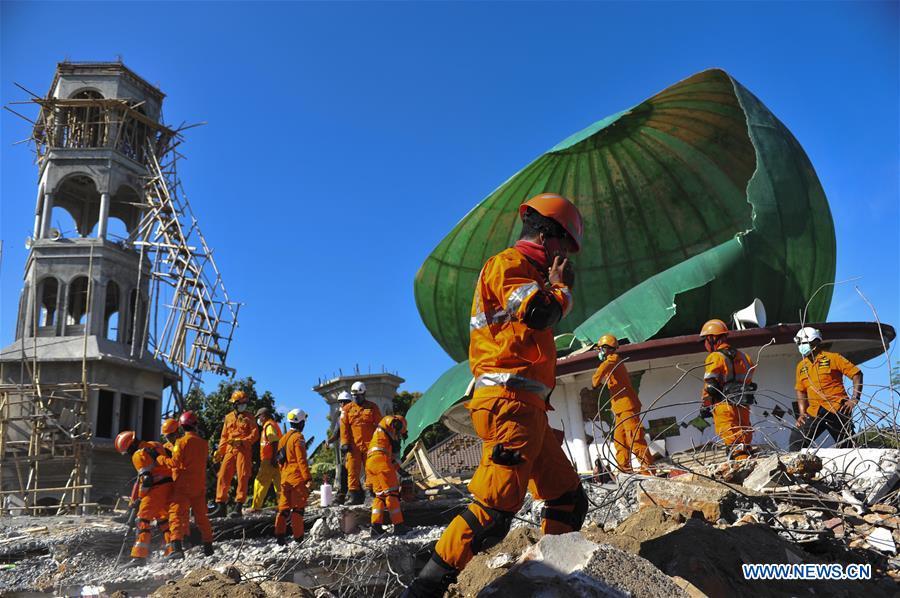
(205,582)
(477,574)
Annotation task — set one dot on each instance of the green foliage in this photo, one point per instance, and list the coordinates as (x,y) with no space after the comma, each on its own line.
(434,433)
(321,464)
(211,410)
(895,374)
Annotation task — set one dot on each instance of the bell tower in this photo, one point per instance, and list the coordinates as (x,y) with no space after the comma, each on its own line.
(79,370)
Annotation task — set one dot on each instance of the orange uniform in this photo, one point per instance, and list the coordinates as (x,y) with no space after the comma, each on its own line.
(381,472)
(358,423)
(823,381)
(628,433)
(188,465)
(294,478)
(732,421)
(239,433)
(155,493)
(515,369)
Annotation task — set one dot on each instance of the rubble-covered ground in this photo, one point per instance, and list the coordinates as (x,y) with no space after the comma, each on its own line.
(683,535)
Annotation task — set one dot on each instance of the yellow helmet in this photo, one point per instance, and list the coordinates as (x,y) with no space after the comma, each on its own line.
(608,340)
(239,396)
(395,425)
(169,426)
(714,328)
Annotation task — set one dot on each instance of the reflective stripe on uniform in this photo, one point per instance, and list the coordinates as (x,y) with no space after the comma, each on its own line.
(512,381)
(519,295)
(569,303)
(376,449)
(388,491)
(480,320)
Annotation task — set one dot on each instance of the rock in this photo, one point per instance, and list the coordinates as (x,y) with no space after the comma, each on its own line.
(713,501)
(883,508)
(768,472)
(277,589)
(748,519)
(230,572)
(563,553)
(804,465)
(501,561)
(880,539)
(734,471)
(836,525)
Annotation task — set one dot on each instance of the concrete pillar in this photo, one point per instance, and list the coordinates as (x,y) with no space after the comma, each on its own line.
(117,406)
(104,216)
(575,429)
(46,214)
(37,213)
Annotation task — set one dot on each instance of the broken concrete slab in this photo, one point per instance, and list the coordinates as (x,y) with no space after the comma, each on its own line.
(563,554)
(714,501)
(768,473)
(871,473)
(880,539)
(803,465)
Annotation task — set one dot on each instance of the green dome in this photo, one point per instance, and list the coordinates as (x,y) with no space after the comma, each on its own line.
(695,202)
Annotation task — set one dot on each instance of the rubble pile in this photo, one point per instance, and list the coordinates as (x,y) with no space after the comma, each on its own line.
(683,535)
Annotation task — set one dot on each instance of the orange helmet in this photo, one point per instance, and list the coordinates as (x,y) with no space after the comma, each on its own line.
(239,396)
(124,441)
(608,340)
(713,328)
(558,208)
(169,426)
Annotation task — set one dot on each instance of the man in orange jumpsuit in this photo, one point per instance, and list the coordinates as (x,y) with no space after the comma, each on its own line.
(822,401)
(188,465)
(521,293)
(295,478)
(358,421)
(381,471)
(268,474)
(235,453)
(628,432)
(154,491)
(169,432)
(728,388)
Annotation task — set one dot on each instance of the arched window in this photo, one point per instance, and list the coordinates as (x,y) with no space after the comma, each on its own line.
(48,296)
(78,301)
(111,312)
(84,125)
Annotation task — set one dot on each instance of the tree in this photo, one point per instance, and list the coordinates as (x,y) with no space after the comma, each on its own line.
(211,410)
(434,433)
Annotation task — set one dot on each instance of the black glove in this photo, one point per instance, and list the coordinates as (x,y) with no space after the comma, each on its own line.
(152,452)
(706,412)
(146,480)
(132,513)
(345,448)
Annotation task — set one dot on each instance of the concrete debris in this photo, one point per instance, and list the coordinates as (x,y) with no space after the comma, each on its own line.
(870,473)
(734,472)
(880,539)
(768,473)
(804,465)
(689,496)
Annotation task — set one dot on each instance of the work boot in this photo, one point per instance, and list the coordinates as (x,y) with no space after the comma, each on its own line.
(177,553)
(219,511)
(340,498)
(207,549)
(377,530)
(299,540)
(401,529)
(237,511)
(432,581)
(280,540)
(357,497)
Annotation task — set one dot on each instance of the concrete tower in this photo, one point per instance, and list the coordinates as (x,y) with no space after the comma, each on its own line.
(83,311)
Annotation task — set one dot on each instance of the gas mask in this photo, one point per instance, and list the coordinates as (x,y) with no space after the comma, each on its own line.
(804,348)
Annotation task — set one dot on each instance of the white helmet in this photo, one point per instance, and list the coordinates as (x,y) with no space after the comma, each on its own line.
(358,388)
(296,416)
(344,397)
(808,334)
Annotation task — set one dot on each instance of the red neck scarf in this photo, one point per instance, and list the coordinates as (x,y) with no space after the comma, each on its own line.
(533,251)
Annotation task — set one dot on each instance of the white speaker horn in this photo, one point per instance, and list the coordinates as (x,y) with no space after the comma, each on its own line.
(752,316)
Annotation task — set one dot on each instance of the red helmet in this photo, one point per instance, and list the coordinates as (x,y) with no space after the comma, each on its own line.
(558,208)
(188,418)
(124,441)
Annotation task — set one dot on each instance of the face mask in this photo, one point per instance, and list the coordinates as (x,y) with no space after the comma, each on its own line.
(242,407)
(260,422)
(805,349)
(601,355)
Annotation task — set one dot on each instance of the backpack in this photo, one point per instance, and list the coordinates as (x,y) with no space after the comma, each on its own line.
(736,391)
(281,455)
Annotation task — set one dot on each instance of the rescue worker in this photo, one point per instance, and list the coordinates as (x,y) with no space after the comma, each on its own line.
(334,438)
(822,401)
(358,421)
(521,293)
(727,389)
(268,473)
(235,453)
(295,478)
(188,465)
(169,433)
(154,492)
(382,471)
(628,431)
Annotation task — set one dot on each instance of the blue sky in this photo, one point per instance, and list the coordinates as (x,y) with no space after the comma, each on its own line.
(346,139)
